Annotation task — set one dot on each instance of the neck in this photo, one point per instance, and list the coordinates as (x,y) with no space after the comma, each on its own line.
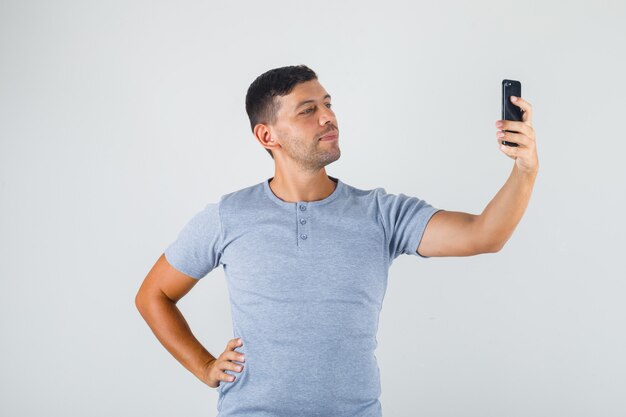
(295,188)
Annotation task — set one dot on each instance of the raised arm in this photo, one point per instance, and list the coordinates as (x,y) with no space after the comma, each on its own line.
(454,233)
(450,233)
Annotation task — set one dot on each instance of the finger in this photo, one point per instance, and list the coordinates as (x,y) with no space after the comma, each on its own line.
(516,126)
(226,377)
(232,366)
(219,371)
(521,140)
(224,367)
(527,109)
(511,152)
(235,356)
(506,146)
(234,343)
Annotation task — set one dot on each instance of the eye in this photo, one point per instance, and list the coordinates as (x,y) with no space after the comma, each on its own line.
(311,108)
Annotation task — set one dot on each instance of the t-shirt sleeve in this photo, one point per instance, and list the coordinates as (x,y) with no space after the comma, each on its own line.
(197,249)
(404,219)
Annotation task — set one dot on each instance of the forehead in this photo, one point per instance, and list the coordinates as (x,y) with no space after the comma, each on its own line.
(308,90)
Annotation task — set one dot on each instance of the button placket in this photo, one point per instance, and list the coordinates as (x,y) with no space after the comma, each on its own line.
(302,226)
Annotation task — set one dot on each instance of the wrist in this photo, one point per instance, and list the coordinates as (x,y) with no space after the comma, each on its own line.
(203,366)
(526,174)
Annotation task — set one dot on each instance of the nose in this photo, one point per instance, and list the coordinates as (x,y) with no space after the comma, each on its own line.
(327,116)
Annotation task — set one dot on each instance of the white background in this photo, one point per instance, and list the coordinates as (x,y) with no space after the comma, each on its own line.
(120,120)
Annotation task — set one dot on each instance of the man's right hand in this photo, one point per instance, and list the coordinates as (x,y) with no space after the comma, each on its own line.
(214,372)
(156,301)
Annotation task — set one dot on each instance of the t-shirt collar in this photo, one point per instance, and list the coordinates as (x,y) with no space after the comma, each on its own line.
(338,189)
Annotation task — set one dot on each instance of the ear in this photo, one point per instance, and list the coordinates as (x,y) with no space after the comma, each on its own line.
(265,137)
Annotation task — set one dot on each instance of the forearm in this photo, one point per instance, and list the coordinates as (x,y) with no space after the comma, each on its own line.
(171,329)
(499,219)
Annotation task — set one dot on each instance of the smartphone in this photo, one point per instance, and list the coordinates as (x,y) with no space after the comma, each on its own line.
(509,110)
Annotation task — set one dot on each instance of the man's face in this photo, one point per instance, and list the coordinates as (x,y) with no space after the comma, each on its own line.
(305,115)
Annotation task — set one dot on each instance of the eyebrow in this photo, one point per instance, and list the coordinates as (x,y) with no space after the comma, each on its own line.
(302,103)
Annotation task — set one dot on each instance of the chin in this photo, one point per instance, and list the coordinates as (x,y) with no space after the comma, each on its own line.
(332,158)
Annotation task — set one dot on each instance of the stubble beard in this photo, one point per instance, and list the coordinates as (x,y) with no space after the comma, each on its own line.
(314,157)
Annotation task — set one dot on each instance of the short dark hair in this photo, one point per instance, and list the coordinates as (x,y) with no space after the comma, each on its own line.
(261,103)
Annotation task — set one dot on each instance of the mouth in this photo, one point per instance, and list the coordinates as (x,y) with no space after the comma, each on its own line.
(330,136)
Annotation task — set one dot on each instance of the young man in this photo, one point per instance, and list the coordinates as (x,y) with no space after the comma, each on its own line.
(306,258)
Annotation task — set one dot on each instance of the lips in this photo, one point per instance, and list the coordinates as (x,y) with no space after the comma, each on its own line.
(330,136)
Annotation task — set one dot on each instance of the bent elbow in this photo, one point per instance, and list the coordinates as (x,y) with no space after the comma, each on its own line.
(138,301)
(141,301)
(495,248)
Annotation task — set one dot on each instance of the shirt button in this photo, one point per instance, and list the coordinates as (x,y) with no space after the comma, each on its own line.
(303,236)
(302,208)
(302,221)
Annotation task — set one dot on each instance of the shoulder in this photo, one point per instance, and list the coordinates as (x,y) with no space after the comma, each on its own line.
(362,194)
(242,197)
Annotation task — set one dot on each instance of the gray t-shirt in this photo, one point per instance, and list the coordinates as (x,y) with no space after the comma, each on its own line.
(306,282)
